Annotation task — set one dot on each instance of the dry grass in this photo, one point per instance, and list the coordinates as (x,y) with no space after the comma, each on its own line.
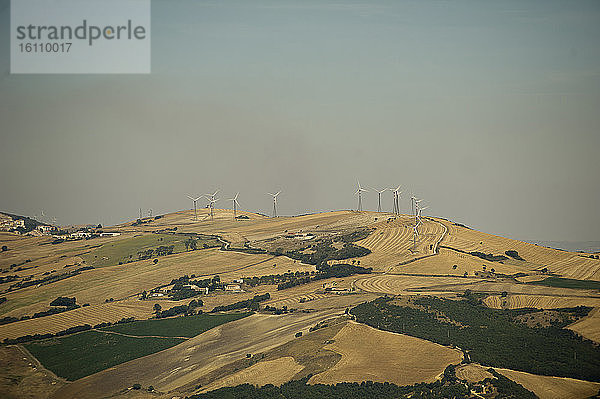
(539,301)
(274,372)
(552,387)
(392,242)
(371,354)
(472,372)
(21,376)
(443,264)
(395,284)
(567,264)
(589,326)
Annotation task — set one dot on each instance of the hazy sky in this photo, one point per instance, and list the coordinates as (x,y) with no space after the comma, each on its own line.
(489,110)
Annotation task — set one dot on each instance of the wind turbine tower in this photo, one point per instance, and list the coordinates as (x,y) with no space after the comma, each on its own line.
(359,192)
(396,193)
(211,201)
(275,202)
(194,200)
(379,198)
(235,204)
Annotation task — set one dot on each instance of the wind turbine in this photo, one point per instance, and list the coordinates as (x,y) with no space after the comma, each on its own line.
(274,202)
(212,206)
(396,193)
(211,199)
(359,192)
(379,197)
(195,200)
(235,203)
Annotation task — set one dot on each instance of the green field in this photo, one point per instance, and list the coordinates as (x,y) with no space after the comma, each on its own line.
(125,250)
(568,283)
(78,355)
(177,326)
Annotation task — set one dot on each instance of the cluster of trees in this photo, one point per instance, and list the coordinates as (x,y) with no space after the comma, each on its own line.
(63,301)
(252,304)
(489,257)
(60,304)
(8,279)
(324,251)
(164,250)
(212,283)
(47,279)
(491,337)
(513,254)
(146,254)
(275,278)
(177,310)
(325,271)
(300,389)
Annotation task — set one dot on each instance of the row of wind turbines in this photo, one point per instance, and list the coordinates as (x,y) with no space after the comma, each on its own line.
(416,208)
(212,199)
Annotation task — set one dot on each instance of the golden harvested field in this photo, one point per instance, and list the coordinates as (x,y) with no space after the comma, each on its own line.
(443,264)
(92,315)
(589,326)
(567,264)
(392,242)
(539,301)
(552,387)
(274,372)
(183,364)
(371,354)
(397,284)
(499,286)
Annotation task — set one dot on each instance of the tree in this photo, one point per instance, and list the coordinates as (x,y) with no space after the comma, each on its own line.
(157,308)
(4,248)
(454,267)
(155,261)
(144,295)
(99,226)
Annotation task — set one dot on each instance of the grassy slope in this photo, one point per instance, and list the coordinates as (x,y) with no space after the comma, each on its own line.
(127,249)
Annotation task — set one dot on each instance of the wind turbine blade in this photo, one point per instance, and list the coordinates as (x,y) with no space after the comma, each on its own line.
(191,198)
(278,192)
(272,195)
(236,195)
